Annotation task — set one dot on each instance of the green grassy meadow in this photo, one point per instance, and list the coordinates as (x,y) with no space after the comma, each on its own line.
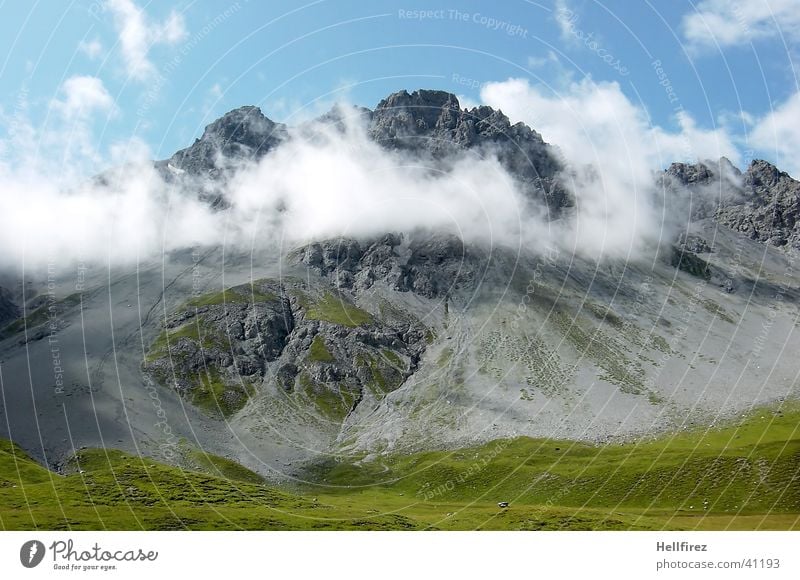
(742,476)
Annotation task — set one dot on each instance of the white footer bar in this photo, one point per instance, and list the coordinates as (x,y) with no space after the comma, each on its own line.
(407,555)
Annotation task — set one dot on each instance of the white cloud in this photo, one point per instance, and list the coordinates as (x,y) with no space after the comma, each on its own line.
(212,99)
(215,92)
(541,61)
(83,96)
(319,184)
(467,102)
(327,185)
(612,150)
(322,184)
(777,135)
(733,22)
(138,34)
(92,48)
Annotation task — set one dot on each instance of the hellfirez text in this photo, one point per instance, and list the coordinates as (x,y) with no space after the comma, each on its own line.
(680,547)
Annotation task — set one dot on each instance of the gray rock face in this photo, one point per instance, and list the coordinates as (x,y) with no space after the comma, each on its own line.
(702,188)
(694,244)
(433,122)
(685,256)
(761,203)
(240,136)
(244,133)
(428,124)
(8,309)
(691,174)
(312,343)
(433,266)
(771,208)
(213,350)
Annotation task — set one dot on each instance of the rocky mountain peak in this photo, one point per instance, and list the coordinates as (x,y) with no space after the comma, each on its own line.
(421,110)
(433,124)
(770,211)
(703,172)
(401,119)
(238,124)
(428,124)
(241,133)
(422,98)
(764,174)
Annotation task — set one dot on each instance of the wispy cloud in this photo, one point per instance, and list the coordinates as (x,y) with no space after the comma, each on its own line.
(83,96)
(612,152)
(308,187)
(138,34)
(778,134)
(725,23)
(540,61)
(91,48)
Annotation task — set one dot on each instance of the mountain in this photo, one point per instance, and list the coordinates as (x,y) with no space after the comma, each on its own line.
(769,211)
(9,311)
(356,347)
(242,133)
(433,122)
(427,124)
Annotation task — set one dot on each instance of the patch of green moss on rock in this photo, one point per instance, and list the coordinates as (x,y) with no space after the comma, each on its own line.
(318,352)
(337,310)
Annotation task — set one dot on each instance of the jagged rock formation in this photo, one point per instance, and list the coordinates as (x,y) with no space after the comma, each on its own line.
(431,266)
(242,134)
(702,188)
(313,343)
(424,123)
(762,203)
(771,207)
(433,122)
(238,137)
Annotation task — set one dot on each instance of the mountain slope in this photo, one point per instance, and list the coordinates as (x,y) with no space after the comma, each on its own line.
(359,347)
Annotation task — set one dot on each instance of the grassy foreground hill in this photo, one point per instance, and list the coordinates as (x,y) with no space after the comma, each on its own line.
(744,475)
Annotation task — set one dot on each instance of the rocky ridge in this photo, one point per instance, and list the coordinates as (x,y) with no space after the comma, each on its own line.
(428,124)
(314,344)
(770,210)
(431,265)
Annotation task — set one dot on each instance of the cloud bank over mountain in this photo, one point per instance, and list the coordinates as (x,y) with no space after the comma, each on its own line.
(328,179)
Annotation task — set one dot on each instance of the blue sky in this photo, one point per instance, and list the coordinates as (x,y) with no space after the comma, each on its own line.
(159,71)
